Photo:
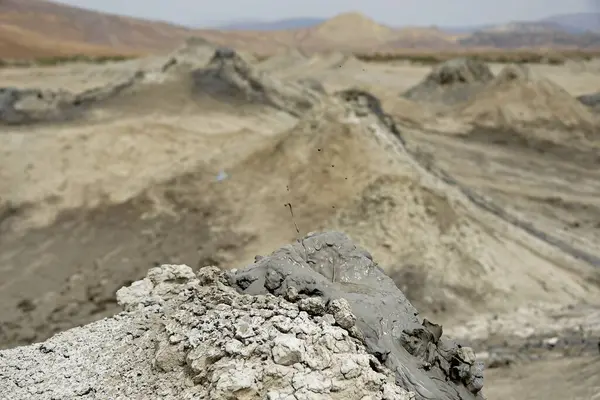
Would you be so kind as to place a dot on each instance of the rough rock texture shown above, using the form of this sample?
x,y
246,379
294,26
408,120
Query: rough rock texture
x,y
229,76
322,268
451,82
190,335
187,335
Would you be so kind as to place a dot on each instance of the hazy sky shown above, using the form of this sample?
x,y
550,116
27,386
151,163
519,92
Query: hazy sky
x,y
392,12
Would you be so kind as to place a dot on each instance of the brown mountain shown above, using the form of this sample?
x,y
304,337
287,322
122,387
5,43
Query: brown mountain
x,y
39,27
31,28
531,35
34,28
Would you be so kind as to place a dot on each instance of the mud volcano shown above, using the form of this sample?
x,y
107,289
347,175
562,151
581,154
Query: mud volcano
x,y
317,318
230,78
519,99
29,106
451,82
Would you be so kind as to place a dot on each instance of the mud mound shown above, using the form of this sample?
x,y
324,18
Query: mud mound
x,y
316,318
230,78
364,103
518,99
190,81
24,106
448,253
591,100
28,106
194,53
451,82
322,268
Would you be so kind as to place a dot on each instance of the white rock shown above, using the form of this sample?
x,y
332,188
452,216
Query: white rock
x,y
287,350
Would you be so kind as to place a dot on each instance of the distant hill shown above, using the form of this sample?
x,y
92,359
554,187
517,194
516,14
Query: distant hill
x,y
40,27
278,25
552,32
579,22
531,39
35,28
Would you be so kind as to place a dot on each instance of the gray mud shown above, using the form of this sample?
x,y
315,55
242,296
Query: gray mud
x,y
31,106
591,100
329,266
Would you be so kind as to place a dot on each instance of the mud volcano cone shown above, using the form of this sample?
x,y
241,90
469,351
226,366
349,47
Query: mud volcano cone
x,y
231,78
451,82
518,99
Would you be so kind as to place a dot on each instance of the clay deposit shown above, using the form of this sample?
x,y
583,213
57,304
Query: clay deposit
x,y
286,332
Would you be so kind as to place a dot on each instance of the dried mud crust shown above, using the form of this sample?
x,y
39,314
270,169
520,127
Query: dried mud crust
x,y
187,335
192,335
321,268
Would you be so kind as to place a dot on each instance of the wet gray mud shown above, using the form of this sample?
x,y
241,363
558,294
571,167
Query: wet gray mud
x,y
328,266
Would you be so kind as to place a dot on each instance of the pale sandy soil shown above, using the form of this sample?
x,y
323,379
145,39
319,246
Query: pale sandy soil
x,y
102,199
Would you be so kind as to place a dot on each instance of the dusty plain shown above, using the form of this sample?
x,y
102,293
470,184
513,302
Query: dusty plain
x,y
486,212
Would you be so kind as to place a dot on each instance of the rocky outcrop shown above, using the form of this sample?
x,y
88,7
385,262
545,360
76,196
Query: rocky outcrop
x,y
315,319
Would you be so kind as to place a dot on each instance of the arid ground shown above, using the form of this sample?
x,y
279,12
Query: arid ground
x,y
481,197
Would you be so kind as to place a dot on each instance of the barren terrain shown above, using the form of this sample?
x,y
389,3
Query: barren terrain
x,y
478,196
31,29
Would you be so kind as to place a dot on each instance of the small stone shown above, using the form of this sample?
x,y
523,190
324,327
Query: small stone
x,y
342,313
234,347
312,305
243,330
283,324
291,294
208,275
316,383
171,273
273,279
129,297
350,369
287,350
235,381
467,355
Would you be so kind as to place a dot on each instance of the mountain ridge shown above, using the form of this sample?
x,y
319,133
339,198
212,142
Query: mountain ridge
x,y
39,28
